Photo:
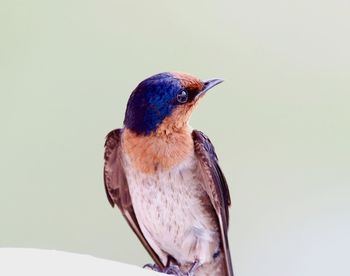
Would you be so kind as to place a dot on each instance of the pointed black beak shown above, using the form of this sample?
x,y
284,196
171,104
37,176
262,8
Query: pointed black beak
x,y
210,84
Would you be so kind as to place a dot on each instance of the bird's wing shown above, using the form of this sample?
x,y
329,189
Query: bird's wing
x,y
215,186
117,189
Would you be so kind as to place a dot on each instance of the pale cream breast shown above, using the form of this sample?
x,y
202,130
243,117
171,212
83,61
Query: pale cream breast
x,y
172,210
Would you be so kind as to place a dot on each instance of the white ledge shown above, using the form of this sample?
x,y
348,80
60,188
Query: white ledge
x,y
40,262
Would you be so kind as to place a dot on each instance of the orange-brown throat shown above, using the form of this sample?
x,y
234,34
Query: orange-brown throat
x,y
161,150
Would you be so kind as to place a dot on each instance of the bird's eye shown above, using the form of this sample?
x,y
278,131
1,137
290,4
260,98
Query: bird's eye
x,y
182,96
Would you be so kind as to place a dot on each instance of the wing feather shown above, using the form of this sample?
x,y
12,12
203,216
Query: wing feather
x,y
117,189
216,187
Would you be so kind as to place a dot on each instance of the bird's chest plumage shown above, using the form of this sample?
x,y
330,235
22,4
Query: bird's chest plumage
x,y
173,210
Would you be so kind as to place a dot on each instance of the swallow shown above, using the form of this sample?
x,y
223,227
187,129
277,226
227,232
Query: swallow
x,y
166,180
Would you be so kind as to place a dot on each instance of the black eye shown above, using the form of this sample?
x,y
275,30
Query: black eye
x,y
182,96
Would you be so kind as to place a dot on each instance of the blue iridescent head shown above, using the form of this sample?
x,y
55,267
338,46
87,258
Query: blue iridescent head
x,y
157,97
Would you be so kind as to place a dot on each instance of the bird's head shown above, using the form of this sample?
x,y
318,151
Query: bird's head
x,y
164,100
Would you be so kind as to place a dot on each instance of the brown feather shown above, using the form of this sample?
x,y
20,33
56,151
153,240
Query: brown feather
x,y
216,187
117,188
189,82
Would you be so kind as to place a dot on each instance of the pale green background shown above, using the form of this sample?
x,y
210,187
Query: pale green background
x,y
280,121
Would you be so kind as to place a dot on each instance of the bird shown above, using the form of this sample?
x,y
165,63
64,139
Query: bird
x,y
165,178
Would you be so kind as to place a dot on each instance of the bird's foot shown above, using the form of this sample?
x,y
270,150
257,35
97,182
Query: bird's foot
x,y
153,267
173,270
170,270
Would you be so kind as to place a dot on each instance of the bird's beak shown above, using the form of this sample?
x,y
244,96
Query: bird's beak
x,y
208,84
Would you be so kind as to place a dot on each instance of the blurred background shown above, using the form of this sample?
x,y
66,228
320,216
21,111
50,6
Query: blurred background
x,y
280,121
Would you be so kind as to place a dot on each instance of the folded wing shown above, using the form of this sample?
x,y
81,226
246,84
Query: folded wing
x,y
216,187
117,189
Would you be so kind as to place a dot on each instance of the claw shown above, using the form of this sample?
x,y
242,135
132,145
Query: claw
x,y
173,270
153,267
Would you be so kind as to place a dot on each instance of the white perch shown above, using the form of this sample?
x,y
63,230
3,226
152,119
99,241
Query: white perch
x,y
39,262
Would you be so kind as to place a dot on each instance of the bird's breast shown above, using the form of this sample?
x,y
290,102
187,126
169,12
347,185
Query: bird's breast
x,y
173,210
157,151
